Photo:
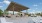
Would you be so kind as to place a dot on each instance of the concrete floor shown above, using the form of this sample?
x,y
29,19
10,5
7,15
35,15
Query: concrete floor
x,y
25,19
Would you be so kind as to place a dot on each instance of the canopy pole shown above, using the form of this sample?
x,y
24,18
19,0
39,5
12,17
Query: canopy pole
x,y
27,11
13,10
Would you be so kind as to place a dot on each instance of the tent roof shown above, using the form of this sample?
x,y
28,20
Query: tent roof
x,y
17,7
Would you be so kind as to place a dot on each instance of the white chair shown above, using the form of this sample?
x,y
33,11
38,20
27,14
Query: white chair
x,y
3,20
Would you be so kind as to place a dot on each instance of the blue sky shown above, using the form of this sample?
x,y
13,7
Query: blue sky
x,y
34,5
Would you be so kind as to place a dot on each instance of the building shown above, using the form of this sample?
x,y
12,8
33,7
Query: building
x,y
13,6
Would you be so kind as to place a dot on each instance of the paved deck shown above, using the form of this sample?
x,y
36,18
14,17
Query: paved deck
x,y
24,19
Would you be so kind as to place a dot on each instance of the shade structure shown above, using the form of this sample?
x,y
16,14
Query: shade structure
x,y
16,6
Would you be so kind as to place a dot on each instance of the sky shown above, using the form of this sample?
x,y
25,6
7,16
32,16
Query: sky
x,y
34,5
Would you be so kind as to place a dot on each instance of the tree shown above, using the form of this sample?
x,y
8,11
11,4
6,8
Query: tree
x,y
5,12
37,13
1,12
41,14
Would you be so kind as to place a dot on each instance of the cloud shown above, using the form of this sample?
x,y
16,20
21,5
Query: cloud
x,y
35,5
1,6
6,2
40,3
33,10
36,8
29,9
0,2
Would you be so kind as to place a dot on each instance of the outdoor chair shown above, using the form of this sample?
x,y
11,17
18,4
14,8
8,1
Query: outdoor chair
x,y
8,16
